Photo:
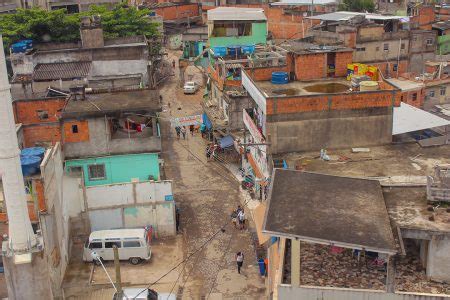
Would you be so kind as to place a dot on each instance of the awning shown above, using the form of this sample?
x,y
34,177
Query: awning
x,y
258,217
408,118
226,141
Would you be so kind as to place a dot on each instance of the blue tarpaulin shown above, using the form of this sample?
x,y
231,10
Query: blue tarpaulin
x,y
226,141
206,121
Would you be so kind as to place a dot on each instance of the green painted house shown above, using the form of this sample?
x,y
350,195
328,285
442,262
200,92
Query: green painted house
x,y
116,169
236,26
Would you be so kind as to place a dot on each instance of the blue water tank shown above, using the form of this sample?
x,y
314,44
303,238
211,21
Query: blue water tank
x,y
30,165
280,77
33,151
234,50
219,51
249,49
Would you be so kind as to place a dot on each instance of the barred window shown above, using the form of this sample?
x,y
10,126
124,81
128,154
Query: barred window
x,y
97,172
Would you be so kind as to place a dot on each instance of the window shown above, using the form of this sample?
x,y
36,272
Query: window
x,y
97,172
414,96
131,244
361,49
42,114
95,245
443,91
395,67
429,42
118,244
386,47
431,94
74,128
76,170
402,46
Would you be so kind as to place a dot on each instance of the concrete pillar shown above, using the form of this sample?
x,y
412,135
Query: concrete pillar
x,y
390,276
295,262
154,127
28,281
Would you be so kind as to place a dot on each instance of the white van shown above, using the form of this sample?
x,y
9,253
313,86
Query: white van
x,y
133,245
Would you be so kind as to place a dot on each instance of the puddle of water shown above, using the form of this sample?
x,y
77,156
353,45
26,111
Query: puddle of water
x,y
286,92
326,88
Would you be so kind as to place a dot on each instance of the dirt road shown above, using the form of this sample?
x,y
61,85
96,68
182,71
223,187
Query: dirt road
x,y
206,194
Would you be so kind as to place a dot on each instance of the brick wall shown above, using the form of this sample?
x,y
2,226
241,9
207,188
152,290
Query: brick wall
x,y
415,98
402,68
361,100
37,134
342,60
354,101
310,66
74,137
265,73
26,112
177,11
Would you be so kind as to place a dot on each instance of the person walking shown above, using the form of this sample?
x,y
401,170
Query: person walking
x,y
241,219
183,132
234,218
191,129
239,261
178,130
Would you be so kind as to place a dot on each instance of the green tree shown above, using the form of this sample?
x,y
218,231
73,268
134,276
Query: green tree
x,y
358,5
57,26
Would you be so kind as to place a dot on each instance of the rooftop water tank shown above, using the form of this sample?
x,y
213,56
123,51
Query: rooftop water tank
x,y
368,86
249,49
30,165
234,50
219,51
33,151
280,77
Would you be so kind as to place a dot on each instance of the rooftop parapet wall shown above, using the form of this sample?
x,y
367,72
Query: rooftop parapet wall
x,y
331,102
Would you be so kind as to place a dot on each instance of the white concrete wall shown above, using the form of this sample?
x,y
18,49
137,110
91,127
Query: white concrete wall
x,y
73,195
324,293
128,193
133,204
438,265
55,224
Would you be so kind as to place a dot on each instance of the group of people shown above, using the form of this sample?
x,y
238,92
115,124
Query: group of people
x,y
181,131
238,217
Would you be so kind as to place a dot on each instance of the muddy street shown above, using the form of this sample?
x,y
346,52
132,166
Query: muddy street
x,y
206,194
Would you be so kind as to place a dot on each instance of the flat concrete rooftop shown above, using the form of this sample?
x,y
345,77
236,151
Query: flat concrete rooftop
x,y
302,88
319,208
402,168
408,208
116,102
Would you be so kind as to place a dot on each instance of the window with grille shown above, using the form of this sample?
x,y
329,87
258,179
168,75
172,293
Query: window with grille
x,y
443,91
97,172
431,94
42,114
386,47
429,42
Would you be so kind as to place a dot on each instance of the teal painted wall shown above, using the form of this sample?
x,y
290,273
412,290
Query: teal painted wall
x,y
258,36
120,168
443,45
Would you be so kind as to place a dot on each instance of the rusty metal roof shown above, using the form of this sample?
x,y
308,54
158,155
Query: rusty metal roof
x,y
55,71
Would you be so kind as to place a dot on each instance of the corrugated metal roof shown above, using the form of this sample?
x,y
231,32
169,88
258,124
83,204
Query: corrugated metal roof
x,y
55,71
236,14
303,2
347,15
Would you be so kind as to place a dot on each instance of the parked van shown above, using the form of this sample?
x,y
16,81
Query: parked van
x,y
133,245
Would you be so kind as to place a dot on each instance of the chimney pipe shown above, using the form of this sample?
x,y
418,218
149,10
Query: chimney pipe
x,y
21,235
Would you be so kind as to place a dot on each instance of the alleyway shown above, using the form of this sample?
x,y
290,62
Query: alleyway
x,y
207,194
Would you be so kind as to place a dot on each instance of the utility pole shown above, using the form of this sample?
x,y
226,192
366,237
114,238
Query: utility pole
x,y
117,267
